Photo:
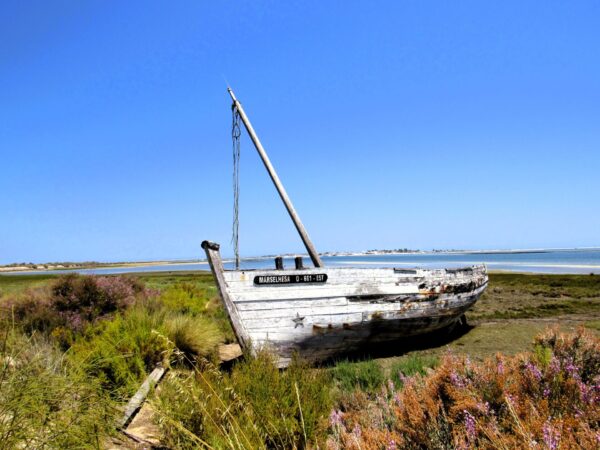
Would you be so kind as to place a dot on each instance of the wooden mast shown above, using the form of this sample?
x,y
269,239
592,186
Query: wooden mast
x,y
314,256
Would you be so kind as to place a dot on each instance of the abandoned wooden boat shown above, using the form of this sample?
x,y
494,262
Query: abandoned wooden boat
x,y
321,312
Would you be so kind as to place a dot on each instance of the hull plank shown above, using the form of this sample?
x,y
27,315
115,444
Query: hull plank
x,y
285,304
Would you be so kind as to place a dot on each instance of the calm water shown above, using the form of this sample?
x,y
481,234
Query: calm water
x,y
556,261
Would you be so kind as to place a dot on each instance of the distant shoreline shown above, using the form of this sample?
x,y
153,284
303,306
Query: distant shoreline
x,y
74,266
69,266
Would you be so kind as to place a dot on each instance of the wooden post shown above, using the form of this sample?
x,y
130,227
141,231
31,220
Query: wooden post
x,y
314,256
216,265
279,263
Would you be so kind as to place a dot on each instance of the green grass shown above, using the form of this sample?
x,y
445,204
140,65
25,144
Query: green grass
x,y
593,325
412,364
12,284
161,280
519,296
193,336
363,375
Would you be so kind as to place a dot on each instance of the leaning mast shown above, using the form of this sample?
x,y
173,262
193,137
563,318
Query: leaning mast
x,y
314,256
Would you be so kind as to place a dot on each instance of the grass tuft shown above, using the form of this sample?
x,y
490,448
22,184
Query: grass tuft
x,y
194,336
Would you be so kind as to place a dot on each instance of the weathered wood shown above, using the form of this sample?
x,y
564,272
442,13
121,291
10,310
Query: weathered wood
x,y
314,256
299,321
136,401
229,352
216,265
273,304
352,307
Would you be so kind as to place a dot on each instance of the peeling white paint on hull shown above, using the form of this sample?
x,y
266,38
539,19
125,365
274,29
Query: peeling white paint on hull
x,y
322,312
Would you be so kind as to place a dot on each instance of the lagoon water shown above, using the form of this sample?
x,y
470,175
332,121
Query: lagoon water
x,y
546,261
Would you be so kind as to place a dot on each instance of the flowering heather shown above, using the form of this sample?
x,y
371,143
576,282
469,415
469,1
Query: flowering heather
x,y
547,399
335,418
470,426
72,302
551,435
83,299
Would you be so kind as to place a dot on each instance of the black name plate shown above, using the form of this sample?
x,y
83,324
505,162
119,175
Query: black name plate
x,y
291,278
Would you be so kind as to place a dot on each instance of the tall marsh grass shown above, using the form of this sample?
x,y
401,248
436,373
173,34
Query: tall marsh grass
x,y
194,336
255,406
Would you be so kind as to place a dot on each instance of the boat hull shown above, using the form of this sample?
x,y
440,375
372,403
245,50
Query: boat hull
x,y
323,312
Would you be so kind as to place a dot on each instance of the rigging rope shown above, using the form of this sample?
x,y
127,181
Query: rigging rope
x,y
235,136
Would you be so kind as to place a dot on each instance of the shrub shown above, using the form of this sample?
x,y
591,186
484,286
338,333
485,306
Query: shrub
x,y
44,401
120,352
32,311
186,298
70,304
256,406
548,397
82,299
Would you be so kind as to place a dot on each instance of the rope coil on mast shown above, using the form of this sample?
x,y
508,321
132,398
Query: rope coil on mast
x,y
236,133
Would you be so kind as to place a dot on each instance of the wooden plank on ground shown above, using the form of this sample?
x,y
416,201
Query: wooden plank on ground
x,y
136,401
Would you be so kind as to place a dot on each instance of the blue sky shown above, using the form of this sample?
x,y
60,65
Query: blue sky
x,y
392,124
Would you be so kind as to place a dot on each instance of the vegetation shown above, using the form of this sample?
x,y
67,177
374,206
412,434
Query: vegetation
x,y
542,399
414,364
73,349
363,375
254,406
96,337
46,402
522,296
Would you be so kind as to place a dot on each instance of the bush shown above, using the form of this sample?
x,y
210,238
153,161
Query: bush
x,y
256,406
46,402
120,352
71,303
83,299
32,311
548,397
186,298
